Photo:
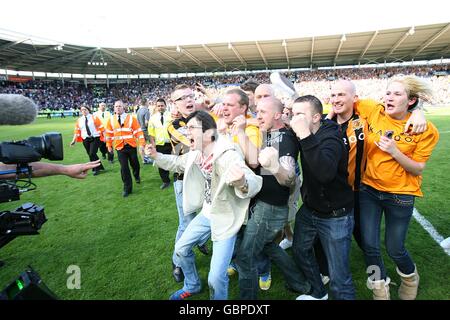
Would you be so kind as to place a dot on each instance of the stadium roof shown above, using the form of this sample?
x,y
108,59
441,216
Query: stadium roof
x,y
425,42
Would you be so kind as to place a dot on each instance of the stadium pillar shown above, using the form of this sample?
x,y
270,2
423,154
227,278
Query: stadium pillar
x,y
32,75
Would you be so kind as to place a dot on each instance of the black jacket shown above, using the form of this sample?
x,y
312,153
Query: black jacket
x,y
324,162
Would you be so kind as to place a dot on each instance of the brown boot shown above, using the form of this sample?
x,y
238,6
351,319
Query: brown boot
x,y
410,284
380,289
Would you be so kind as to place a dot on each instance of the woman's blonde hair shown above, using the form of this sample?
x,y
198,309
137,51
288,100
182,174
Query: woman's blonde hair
x,y
415,88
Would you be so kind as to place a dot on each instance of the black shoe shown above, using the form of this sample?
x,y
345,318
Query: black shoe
x,y
203,249
165,185
96,173
138,180
177,274
126,193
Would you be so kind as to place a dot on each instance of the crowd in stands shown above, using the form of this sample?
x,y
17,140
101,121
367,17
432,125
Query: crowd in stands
x,y
71,94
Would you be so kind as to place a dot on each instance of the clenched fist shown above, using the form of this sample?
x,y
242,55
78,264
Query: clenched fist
x,y
300,125
236,177
239,124
268,159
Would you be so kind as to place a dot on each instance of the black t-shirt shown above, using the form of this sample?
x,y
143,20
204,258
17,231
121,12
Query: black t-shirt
x,y
285,141
178,138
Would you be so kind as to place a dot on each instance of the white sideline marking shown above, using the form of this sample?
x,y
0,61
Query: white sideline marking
x,y
444,132
430,229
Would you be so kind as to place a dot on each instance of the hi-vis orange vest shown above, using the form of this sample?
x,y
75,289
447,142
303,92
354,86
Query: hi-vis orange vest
x,y
80,126
117,136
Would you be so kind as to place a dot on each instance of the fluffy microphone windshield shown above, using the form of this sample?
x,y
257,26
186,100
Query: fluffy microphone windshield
x,y
16,109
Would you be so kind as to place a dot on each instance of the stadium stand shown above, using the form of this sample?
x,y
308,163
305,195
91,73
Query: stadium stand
x,y
68,95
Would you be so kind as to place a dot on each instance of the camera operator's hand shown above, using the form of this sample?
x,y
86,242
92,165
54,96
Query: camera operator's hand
x,y
72,143
80,170
45,169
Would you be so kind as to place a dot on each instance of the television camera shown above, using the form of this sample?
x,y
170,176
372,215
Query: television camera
x,y
28,218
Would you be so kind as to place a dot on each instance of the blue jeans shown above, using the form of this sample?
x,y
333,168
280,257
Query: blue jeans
x,y
183,220
335,234
398,209
263,263
198,232
264,224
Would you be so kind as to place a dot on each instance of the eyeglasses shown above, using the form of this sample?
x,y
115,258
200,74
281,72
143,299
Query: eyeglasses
x,y
193,127
188,96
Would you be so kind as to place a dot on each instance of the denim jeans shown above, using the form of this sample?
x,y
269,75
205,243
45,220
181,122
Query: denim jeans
x,y
335,235
183,220
198,232
398,209
263,264
265,222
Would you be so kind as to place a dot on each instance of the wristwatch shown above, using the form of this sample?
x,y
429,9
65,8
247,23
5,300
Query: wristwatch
x,y
244,188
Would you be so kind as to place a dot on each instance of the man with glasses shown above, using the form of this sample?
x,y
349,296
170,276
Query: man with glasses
x,y
220,186
183,100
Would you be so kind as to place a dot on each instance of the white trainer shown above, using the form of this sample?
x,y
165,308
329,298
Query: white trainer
x,y
325,279
309,297
285,244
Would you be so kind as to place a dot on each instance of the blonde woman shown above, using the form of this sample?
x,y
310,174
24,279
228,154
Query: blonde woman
x,y
392,180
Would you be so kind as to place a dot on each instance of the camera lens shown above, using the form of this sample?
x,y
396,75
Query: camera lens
x,y
48,145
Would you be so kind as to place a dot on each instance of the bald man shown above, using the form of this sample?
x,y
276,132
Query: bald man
x,y
345,104
263,91
277,161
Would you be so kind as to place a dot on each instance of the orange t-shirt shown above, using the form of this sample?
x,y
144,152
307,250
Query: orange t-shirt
x,y
383,172
354,138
